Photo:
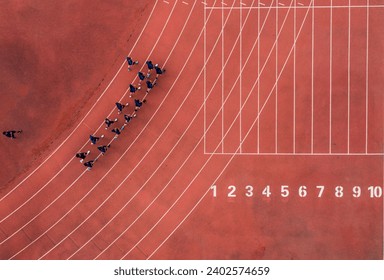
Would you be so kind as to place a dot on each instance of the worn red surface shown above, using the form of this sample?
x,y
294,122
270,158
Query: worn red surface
x,y
150,196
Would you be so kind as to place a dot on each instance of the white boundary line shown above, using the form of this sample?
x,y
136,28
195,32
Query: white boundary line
x,y
258,74
276,70
330,75
349,77
241,79
366,83
312,73
302,7
222,78
80,122
296,154
205,79
294,78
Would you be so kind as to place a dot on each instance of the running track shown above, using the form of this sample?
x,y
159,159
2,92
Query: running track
x,y
150,196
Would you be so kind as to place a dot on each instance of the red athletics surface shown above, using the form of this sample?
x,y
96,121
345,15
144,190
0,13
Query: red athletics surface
x,y
188,177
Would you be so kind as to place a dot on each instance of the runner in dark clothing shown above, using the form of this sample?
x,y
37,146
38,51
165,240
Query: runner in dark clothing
x,y
94,139
128,118
89,164
150,67
159,71
120,107
141,77
11,133
150,85
103,149
82,155
132,89
131,62
118,131
138,104
108,122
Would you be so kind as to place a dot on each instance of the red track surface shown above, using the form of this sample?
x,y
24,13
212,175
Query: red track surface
x,y
150,196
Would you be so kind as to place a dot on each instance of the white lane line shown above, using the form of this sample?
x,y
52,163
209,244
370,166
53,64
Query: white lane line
x,y
166,2
258,84
303,7
366,82
349,78
240,67
204,3
294,79
205,79
313,76
276,74
222,78
330,76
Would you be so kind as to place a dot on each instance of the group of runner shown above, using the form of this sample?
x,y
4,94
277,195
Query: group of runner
x,y
120,107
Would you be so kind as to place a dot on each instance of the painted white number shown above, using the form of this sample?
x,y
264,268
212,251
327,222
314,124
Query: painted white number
x,y
375,192
213,188
356,191
231,192
267,191
249,192
339,191
303,191
284,191
321,190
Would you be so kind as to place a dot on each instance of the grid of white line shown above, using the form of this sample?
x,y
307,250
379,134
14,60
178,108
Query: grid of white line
x,y
277,6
